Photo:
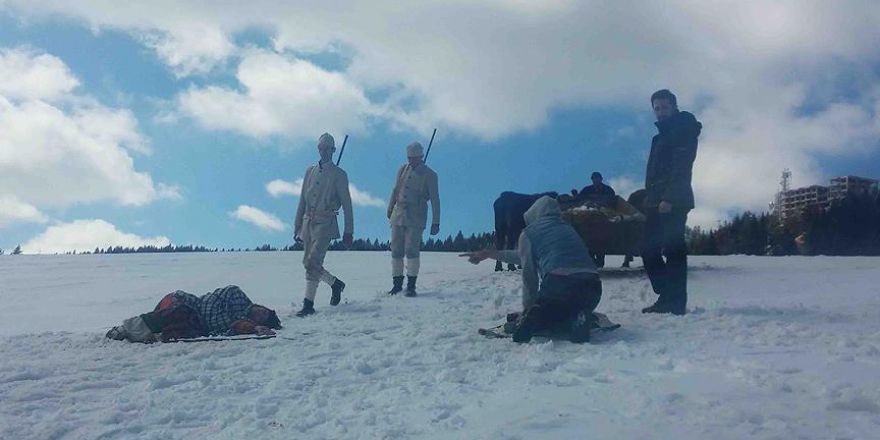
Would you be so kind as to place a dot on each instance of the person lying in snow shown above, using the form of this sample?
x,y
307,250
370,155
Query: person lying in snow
x,y
561,285
181,315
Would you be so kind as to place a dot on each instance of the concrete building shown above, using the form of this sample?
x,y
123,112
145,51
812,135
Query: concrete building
x,y
841,186
791,202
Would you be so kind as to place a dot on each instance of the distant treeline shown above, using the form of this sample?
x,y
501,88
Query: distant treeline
x,y
458,243
849,226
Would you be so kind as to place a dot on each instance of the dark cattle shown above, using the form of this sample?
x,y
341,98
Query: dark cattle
x,y
509,223
637,200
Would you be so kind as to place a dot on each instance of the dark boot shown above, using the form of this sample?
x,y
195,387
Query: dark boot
x,y
336,295
398,285
678,306
511,267
661,306
308,308
529,322
410,286
580,327
498,266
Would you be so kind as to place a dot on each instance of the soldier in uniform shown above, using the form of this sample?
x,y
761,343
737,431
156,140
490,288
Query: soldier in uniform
x,y
324,191
416,184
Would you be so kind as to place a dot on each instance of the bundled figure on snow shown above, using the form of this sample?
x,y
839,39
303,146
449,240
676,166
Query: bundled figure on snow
x,y
324,191
182,315
561,286
416,184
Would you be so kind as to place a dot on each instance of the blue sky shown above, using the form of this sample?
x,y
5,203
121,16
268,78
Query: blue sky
x,y
179,119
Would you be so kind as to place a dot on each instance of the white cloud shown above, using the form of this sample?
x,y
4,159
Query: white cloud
x,y
60,149
86,235
278,188
492,69
258,218
28,75
280,96
191,48
363,198
625,185
13,210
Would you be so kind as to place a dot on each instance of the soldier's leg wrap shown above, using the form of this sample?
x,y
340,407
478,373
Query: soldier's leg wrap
x,y
314,261
311,290
412,267
396,267
398,242
411,250
327,277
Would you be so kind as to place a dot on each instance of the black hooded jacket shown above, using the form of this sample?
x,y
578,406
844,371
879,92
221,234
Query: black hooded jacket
x,y
670,165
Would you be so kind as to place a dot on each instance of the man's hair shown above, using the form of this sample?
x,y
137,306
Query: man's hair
x,y
664,94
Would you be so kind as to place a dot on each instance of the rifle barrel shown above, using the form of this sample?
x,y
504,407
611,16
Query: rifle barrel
x,y
339,159
429,145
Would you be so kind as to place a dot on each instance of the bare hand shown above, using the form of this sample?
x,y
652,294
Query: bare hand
x,y
297,238
435,229
347,240
261,330
665,207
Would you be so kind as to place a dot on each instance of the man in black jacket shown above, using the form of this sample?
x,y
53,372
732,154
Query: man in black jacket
x,y
669,198
598,192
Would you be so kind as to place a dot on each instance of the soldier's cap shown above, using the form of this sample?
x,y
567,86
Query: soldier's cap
x,y
414,150
326,140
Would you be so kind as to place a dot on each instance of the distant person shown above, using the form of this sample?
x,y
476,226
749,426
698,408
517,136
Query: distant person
x,y
561,285
181,315
669,197
324,191
415,185
598,193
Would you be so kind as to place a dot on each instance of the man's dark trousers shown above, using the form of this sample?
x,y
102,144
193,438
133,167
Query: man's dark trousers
x,y
664,237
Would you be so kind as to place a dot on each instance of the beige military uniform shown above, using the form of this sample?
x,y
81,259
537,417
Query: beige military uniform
x,y
324,191
408,212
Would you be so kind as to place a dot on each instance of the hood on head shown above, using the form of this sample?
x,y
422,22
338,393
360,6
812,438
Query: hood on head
x,y
544,207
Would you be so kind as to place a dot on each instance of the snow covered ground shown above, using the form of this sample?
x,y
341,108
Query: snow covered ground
x,y
772,348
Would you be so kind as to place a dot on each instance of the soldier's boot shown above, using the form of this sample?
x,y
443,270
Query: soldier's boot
x,y
511,267
398,285
410,287
307,309
336,295
499,266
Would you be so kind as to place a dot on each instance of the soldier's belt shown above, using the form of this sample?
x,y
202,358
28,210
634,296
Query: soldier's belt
x,y
316,214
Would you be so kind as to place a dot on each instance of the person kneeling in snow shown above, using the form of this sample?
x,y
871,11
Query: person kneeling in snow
x,y
561,285
181,315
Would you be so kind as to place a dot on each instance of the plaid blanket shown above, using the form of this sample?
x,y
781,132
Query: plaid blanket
x,y
216,310
220,308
